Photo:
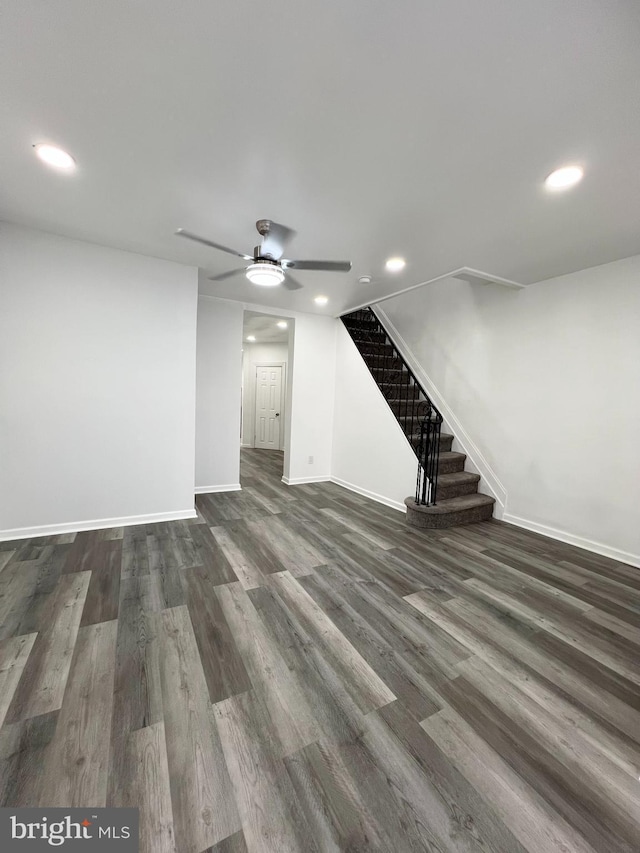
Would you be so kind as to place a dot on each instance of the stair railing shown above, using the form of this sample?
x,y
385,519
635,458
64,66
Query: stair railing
x,y
428,458
420,419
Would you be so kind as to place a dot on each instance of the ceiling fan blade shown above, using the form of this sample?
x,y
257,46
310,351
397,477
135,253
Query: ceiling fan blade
x,y
291,283
274,238
223,275
326,266
189,236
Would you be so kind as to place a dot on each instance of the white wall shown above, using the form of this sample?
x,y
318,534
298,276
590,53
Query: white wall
x,y
218,384
97,383
309,423
546,381
257,353
370,452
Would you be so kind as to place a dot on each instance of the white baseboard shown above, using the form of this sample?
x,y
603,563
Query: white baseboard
x,y
572,539
301,481
476,459
208,490
371,495
94,524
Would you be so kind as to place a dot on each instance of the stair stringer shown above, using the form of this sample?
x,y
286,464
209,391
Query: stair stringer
x,y
475,462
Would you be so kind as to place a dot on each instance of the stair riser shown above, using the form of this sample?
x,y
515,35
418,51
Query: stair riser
x,y
376,352
456,491
454,519
356,326
403,405
445,446
364,338
399,393
384,365
450,466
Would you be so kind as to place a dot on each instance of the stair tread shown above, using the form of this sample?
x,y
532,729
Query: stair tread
x,y
452,505
451,454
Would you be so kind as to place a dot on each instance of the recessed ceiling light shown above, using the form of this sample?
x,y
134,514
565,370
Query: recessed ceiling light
x,y
321,300
395,264
364,279
564,178
281,324
53,156
251,338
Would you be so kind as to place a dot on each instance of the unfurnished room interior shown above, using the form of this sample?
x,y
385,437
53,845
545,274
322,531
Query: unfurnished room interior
x,y
320,426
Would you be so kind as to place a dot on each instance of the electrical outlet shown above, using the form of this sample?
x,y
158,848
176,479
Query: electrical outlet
x,y
311,460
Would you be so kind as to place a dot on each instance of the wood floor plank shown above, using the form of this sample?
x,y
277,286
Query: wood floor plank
x,y
213,557
36,605
249,575
529,816
606,650
498,660
18,584
233,844
533,759
81,553
137,690
222,663
333,803
147,788
5,556
44,680
575,690
629,630
103,595
135,556
14,654
168,583
23,747
293,552
280,688
272,818
204,812
474,822
76,763
575,742
367,689
403,681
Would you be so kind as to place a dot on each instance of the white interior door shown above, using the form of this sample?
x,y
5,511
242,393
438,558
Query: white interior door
x,y
268,414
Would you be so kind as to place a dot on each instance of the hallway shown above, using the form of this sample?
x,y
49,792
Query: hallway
x,y
297,670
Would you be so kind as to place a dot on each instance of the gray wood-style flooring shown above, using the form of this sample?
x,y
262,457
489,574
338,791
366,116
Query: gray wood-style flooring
x,y
297,670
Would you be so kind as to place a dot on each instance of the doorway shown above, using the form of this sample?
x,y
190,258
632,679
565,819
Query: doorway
x,y
269,405
265,383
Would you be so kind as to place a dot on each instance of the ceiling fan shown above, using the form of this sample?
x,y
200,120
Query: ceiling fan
x,y
268,268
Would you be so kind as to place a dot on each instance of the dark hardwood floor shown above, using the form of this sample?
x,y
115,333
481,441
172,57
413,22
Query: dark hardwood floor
x,y
297,670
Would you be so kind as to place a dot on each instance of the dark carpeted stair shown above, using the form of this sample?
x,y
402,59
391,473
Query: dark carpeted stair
x,y
458,499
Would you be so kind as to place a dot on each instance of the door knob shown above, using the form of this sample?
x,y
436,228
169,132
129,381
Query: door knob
x,y
277,414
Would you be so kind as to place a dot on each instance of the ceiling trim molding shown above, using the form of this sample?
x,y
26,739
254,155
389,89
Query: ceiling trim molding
x,y
467,274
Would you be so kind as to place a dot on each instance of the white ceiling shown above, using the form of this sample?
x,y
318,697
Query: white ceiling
x,y
419,127
264,327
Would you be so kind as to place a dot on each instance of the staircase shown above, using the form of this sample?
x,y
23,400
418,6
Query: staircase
x,y
446,494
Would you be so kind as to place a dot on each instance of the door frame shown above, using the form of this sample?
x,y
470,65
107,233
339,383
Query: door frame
x,y
254,393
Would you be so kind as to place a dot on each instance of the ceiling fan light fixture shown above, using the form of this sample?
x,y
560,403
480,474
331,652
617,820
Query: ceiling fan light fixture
x,y
265,274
